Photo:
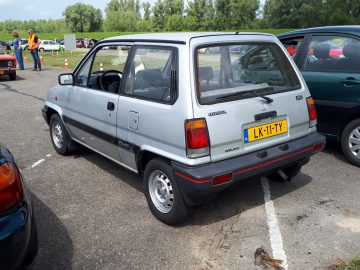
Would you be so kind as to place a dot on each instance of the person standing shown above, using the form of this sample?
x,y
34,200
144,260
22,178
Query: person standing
x,y
18,50
33,45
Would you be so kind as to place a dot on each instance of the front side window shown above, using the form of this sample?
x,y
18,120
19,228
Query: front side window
x,y
151,74
333,53
292,45
243,71
103,70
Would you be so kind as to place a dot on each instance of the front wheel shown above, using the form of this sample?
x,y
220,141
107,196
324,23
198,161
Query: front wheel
x,y
350,142
12,76
59,136
162,193
41,50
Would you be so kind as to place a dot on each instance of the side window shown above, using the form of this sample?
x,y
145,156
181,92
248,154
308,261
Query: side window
x,y
103,71
333,53
292,45
151,73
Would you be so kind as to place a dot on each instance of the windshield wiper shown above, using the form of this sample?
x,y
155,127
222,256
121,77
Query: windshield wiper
x,y
268,100
249,93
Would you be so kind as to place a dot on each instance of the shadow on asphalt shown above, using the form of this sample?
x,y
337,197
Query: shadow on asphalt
x,y
334,148
55,244
238,198
8,88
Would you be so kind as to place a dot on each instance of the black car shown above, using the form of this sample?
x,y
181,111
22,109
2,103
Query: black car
x,y
329,60
18,234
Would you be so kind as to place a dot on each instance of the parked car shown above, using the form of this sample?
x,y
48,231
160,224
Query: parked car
x,y
7,64
190,124
5,45
18,234
50,45
329,60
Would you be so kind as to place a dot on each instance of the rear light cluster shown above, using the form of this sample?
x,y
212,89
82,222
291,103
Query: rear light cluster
x,y
197,138
312,111
11,190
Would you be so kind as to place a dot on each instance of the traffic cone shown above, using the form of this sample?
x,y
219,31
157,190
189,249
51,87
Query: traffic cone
x,y
41,59
101,67
66,64
52,53
57,53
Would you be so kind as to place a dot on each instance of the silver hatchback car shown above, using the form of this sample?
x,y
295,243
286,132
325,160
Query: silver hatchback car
x,y
190,123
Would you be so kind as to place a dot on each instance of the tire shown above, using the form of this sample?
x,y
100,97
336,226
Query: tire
x,y
350,142
12,76
59,136
163,194
41,50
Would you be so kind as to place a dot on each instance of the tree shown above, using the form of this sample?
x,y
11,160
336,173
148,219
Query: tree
x,y
159,14
147,10
83,18
200,13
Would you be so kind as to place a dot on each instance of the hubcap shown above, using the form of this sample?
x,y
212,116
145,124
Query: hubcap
x,y
161,191
57,135
354,142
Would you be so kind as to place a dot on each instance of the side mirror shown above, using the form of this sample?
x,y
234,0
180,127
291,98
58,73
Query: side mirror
x,y
66,79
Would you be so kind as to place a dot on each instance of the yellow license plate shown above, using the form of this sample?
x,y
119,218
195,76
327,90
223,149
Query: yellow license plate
x,y
2,72
265,131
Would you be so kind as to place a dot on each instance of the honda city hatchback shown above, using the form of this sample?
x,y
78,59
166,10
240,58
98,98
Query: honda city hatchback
x,y
189,123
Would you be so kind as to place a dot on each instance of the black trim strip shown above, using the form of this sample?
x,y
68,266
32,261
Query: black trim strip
x,y
336,104
102,135
181,42
265,115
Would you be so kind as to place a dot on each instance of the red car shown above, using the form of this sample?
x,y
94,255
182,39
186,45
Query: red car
x,y
7,64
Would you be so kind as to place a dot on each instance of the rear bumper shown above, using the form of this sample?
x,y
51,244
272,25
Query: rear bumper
x,y
196,183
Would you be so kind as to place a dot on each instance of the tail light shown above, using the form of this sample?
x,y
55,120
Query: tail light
x,y
221,179
312,112
197,138
11,190
318,147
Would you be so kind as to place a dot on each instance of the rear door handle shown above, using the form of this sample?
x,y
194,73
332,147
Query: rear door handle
x,y
110,106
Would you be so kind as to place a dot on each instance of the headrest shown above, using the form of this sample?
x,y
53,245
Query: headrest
x,y
149,75
322,51
206,73
351,51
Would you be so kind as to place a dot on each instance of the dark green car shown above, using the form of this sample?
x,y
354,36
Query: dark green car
x,y
329,60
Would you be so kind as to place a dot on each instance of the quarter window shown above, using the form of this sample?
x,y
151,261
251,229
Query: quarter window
x,y
151,74
333,53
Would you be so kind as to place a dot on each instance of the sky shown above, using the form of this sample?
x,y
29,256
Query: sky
x,y
43,9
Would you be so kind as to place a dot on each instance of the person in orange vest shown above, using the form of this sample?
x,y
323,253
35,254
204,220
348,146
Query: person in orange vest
x,y
33,46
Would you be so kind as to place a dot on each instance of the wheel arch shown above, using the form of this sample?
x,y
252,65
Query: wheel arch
x,y
354,115
143,157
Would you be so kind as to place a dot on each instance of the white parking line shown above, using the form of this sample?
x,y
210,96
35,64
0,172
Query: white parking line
x,y
274,230
39,161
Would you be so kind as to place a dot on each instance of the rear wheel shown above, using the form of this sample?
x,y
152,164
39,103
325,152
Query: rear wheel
x,y
41,49
162,193
350,142
59,136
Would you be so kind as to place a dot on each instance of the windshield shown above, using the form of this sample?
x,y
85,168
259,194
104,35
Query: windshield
x,y
238,71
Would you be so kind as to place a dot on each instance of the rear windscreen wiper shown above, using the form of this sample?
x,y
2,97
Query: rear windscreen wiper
x,y
249,93
268,100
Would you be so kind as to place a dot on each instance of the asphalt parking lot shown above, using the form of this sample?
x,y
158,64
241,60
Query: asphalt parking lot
x,y
92,214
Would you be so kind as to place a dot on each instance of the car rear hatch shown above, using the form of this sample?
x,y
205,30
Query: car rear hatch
x,y
250,97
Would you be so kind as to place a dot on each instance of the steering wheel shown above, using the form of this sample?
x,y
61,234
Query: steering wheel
x,y
107,72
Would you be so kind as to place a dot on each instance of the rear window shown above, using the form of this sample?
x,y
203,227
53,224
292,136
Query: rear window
x,y
238,71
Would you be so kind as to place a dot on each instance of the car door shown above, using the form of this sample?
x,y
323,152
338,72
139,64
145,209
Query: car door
x,y
145,105
331,68
92,106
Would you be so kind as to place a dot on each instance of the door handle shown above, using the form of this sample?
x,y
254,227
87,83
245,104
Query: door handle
x,y
110,106
350,81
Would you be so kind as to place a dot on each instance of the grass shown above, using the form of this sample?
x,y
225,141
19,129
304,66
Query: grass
x,y
99,35
52,59
352,265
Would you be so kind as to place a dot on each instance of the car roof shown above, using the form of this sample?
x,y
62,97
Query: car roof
x,y
347,29
182,37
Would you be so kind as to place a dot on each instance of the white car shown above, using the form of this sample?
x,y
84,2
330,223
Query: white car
x,y
50,45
